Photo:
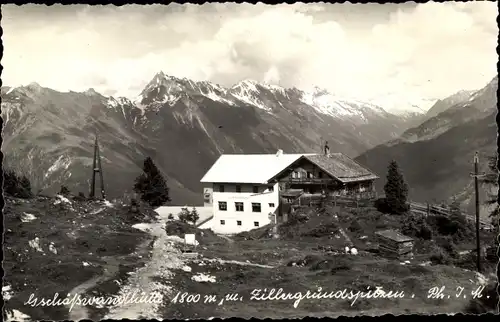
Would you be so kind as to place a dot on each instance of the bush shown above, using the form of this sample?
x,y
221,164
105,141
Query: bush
x,y
64,191
455,226
170,216
440,257
16,186
416,226
184,215
355,226
194,216
80,197
447,244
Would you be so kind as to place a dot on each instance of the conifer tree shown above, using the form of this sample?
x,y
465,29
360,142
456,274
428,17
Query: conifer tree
x,y
194,216
151,185
64,191
396,190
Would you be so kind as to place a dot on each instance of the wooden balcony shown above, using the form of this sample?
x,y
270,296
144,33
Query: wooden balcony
x,y
309,180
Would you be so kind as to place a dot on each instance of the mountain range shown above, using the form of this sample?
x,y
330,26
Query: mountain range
x,y
184,125
436,157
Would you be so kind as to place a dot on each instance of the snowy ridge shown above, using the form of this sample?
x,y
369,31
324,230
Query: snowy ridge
x,y
246,91
326,103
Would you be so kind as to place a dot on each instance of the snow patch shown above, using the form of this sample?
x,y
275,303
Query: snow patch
x,y
108,204
18,316
203,278
26,217
85,264
35,244
52,248
7,292
61,199
186,268
62,162
145,227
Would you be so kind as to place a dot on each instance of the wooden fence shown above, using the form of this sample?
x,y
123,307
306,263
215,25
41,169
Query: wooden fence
x,y
336,201
429,210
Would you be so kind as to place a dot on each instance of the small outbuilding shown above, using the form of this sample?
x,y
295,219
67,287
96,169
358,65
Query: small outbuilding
x,y
393,244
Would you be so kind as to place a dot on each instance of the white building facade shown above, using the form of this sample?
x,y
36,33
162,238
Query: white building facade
x,y
242,207
236,188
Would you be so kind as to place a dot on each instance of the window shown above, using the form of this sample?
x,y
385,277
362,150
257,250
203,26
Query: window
x,y
255,207
309,175
222,205
221,188
320,174
238,206
256,223
270,188
238,222
271,205
222,222
255,189
238,188
294,174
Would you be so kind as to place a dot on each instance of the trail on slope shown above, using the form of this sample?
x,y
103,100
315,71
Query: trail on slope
x,y
164,258
80,312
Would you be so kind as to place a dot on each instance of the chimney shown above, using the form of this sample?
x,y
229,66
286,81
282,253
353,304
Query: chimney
x,y
279,153
327,149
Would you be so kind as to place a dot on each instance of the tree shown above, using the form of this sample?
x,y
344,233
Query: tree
x,y
16,186
184,215
194,216
26,186
151,185
64,191
396,190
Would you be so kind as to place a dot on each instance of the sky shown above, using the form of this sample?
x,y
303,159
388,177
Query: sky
x,y
369,52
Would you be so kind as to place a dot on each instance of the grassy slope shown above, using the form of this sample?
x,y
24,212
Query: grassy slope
x,y
81,232
317,268
438,168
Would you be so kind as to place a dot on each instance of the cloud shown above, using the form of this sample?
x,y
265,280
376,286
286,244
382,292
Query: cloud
x,y
429,50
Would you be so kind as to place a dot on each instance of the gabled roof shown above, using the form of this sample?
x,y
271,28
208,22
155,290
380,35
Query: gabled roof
x,y
342,167
261,168
248,168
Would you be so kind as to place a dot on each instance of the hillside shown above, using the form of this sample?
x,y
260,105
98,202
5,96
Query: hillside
x,y
444,104
183,125
309,254
436,157
67,246
469,107
438,168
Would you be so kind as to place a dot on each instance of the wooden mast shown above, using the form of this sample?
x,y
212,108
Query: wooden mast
x,y
97,167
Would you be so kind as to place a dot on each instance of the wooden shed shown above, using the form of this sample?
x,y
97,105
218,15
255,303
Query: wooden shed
x,y
393,244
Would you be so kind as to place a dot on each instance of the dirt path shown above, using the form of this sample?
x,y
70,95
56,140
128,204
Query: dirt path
x,y
79,312
164,257
223,261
